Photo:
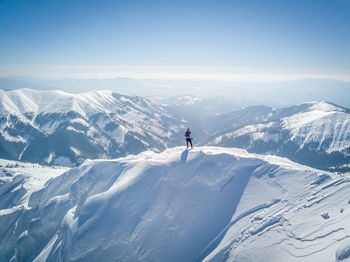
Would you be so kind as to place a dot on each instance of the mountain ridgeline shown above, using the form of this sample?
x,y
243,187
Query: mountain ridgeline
x,y
59,128
316,134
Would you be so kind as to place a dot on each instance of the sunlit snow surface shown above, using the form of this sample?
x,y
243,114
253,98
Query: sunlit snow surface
x,y
212,204
18,180
18,176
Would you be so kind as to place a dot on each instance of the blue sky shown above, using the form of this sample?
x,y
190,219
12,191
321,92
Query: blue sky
x,y
129,35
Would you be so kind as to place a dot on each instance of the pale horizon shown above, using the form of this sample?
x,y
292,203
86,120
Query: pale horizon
x,y
190,73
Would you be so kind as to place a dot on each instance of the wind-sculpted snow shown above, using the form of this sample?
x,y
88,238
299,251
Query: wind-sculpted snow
x,y
59,128
18,181
315,134
212,204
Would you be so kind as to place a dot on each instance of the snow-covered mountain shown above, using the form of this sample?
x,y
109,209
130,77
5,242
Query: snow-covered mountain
x,y
60,128
208,204
316,134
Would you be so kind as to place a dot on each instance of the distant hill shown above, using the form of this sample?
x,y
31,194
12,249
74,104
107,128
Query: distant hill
x,y
315,134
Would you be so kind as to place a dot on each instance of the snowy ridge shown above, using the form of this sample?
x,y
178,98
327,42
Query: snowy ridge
x,y
211,204
65,128
21,101
316,134
18,180
21,180
321,123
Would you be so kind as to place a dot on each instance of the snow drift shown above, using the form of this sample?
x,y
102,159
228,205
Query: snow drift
x,y
18,180
211,204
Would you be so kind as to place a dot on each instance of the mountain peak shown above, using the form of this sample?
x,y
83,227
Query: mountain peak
x,y
326,107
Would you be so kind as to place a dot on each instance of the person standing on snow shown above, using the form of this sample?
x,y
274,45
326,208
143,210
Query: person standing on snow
x,y
188,137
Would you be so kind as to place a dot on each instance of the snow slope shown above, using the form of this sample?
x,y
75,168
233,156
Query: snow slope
x,y
60,128
22,179
18,180
315,134
212,204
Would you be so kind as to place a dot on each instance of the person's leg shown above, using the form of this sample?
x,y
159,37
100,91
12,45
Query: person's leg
x,y
187,142
191,143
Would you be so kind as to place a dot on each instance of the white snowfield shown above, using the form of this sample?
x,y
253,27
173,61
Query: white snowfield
x,y
207,204
18,180
22,179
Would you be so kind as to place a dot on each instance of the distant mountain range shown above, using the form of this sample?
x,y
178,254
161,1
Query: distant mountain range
x,y
59,128
247,93
315,134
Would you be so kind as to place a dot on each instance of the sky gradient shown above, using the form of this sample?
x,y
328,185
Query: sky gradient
x,y
297,36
